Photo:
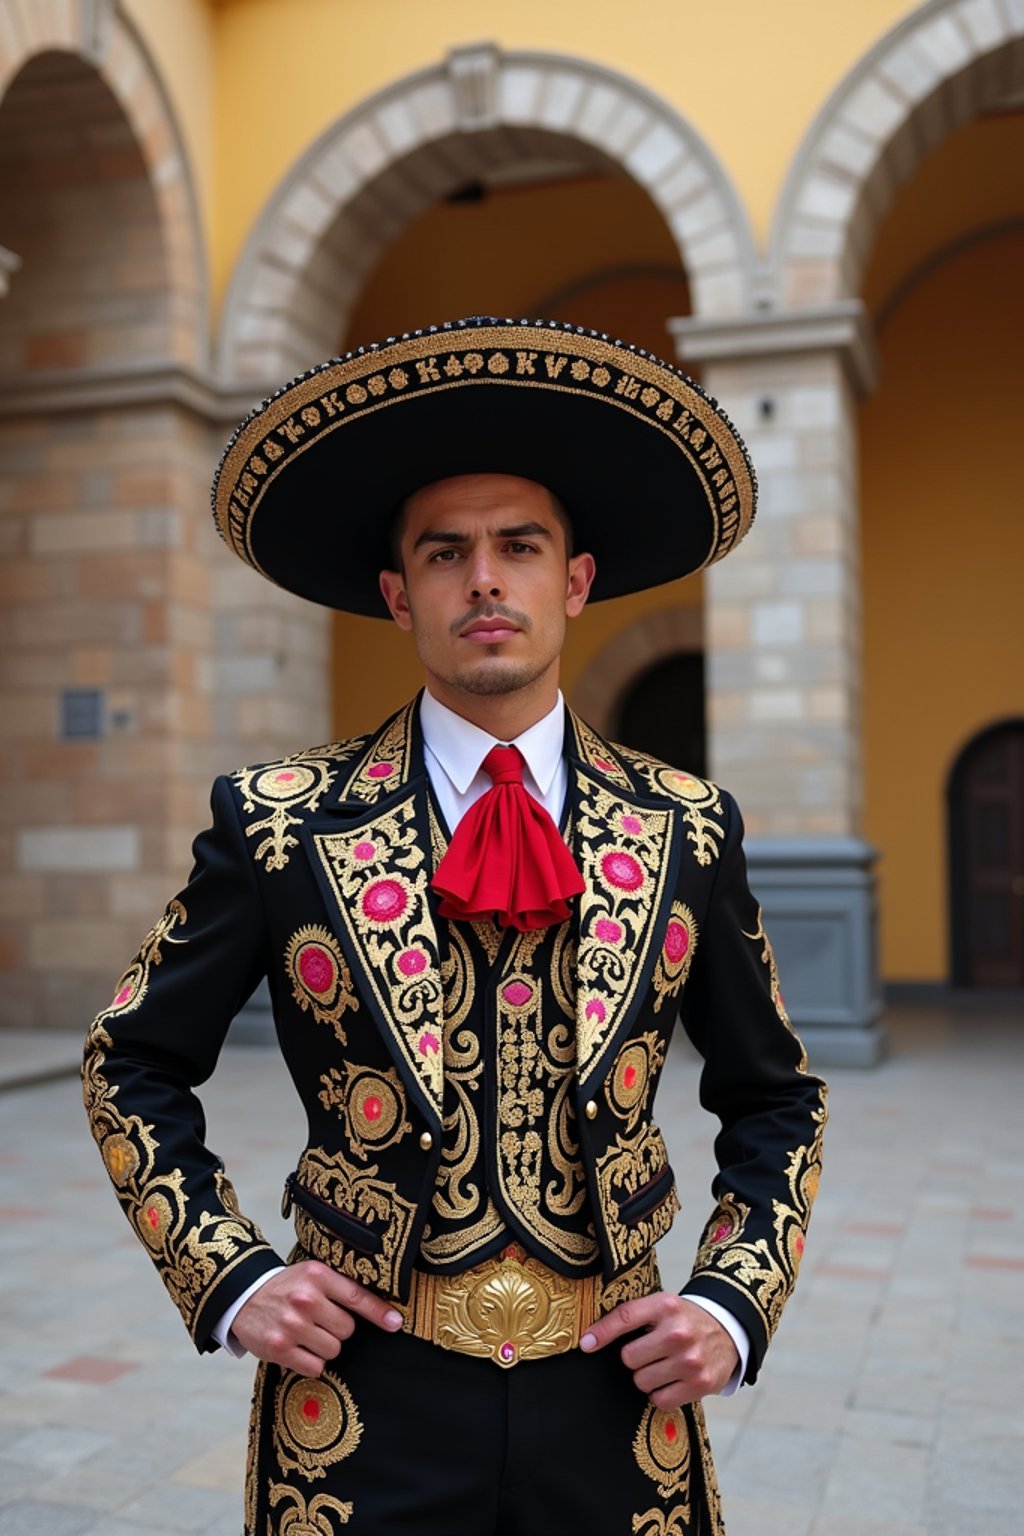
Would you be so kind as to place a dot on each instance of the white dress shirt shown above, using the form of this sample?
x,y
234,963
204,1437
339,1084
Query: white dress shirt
x,y
454,750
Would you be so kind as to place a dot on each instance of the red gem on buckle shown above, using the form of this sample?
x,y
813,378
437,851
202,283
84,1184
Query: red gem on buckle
x,y
311,1409
507,1351
509,1252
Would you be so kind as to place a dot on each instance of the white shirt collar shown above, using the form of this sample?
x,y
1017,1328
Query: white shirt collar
x,y
460,747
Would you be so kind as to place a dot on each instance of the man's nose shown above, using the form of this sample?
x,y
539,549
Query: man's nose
x,y
482,576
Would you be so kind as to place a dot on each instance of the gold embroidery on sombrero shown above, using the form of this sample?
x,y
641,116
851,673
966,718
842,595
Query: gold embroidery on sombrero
x,y
313,1519
371,1104
624,1169
134,984
316,1423
629,1085
382,1218
676,955
332,397
535,1081
661,1446
192,1253
378,873
624,857
296,783
320,979
386,765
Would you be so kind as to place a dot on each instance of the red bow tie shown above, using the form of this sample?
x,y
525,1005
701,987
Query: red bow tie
x,y
506,860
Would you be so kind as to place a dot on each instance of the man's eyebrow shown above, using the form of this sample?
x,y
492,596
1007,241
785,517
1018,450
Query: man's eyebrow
x,y
516,531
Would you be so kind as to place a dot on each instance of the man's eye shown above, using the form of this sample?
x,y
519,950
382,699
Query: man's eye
x,y
447,555
518,548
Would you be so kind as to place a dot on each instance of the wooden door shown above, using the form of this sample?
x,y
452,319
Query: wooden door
x,y
987,845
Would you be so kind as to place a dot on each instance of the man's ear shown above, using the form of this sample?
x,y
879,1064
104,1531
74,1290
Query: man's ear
x,y
392,586
582,570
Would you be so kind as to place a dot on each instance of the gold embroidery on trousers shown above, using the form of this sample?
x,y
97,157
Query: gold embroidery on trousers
x,y
313,1519
662,1449
316,1423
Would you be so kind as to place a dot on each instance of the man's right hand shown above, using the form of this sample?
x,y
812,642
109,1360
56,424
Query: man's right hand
x,y
301,1317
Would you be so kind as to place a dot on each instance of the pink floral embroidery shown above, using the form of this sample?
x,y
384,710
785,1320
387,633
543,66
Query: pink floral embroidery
x,y
411,962
622,871
316,969
427,1042
631,824
124,994
595,1009
677,942
384,901
380,770
364,852
608,930
517,993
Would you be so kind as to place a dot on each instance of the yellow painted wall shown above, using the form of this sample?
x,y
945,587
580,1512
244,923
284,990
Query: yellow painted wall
x,y
943,545
748,75
180,36
459,259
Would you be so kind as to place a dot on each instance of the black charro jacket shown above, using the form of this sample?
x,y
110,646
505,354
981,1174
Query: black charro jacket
x,y
315,874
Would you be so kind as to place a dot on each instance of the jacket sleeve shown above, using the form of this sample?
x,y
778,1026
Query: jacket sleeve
x,y
771,1109
146,1053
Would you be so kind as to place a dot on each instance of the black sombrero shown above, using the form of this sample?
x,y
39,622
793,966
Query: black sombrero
x,y
654,476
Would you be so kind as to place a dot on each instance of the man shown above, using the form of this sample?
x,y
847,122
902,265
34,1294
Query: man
x,y
477,924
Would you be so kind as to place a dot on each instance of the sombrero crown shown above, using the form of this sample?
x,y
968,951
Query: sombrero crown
x,y
655,478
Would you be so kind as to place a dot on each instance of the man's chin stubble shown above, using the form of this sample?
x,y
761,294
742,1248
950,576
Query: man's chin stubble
x,y
487,682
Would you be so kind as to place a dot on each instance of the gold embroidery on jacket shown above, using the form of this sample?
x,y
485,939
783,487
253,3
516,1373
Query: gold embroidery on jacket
x,y
386,765
456,1199
193,1253
625,1169
701,801
371,1103
629,1087
625,851
768,958
676,956
378,873
371,1203
296,783
134,984
320,979
316,1423
661,1446
595,753
312,1519
535,1081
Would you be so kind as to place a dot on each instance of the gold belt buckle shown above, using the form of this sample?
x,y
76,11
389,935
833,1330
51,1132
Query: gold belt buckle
x,y
511,1308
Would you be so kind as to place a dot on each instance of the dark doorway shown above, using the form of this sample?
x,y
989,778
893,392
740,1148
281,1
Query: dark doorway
x,y
662,712
986,841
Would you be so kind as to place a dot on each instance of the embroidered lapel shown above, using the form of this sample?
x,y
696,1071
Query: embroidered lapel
x,y
628,849
374,870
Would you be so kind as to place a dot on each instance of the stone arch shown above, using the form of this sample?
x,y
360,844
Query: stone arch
x,y
426,135
632,651
931,73
96,33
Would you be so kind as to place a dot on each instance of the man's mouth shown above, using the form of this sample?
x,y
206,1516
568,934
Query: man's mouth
x,y
490,631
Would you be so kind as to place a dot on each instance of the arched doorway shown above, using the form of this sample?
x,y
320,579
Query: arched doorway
x,y
985,801
662,712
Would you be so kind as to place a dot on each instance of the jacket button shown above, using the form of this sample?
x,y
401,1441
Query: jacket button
x,y
426,1141
590,1109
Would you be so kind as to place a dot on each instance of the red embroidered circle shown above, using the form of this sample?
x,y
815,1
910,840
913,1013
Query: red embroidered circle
x,y
608,930
311,1409
372,1108
670,1430
411,962
283,778
384,901
317,969
517,993
621,870
631,824
364,852
380,770
677,942
629,1076
595,1009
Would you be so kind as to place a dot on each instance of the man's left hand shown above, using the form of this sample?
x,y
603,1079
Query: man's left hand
x,y
683,1355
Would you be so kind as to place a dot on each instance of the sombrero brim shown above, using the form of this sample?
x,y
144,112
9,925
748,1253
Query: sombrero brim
x,y
654,476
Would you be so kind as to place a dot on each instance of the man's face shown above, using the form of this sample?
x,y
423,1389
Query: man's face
x,y
487,585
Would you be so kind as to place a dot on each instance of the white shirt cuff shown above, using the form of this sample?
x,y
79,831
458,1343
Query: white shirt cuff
x,y
222,1329
736,1331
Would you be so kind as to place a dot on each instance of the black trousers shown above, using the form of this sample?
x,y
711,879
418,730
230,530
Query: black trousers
x,y
403,1438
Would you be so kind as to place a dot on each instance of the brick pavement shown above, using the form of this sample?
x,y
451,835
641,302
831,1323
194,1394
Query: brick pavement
x,y
890,1403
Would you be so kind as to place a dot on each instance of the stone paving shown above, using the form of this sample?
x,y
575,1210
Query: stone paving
x,y
890,1405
